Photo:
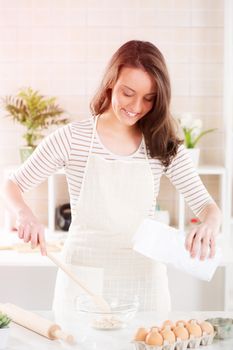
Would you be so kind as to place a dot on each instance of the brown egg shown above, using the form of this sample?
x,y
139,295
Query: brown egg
x,y
207,327
155,327
154,338
168,335
168,323
141,334
181,321
194,328
194,319
181,331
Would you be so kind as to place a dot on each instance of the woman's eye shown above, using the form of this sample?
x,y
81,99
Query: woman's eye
x,y
149,99
128,95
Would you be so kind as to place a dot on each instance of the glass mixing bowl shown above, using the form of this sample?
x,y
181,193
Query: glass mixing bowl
x,y
122,311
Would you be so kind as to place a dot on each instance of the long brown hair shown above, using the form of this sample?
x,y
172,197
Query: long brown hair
x,y
157,125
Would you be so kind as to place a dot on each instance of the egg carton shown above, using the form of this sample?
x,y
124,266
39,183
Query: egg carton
x,y
222,326
191,343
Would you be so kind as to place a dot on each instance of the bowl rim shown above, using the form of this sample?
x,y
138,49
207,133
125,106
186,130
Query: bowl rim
x,y
104,313
130,306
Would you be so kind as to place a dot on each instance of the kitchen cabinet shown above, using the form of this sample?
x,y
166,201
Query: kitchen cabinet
x,y
207,170
25,261
203,170
24,339
219,171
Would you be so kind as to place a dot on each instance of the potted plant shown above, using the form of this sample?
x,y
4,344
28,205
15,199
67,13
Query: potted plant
x,y
4,330
192,131
36,113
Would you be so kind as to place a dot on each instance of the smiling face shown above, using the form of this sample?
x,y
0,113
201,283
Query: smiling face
x,y
132,96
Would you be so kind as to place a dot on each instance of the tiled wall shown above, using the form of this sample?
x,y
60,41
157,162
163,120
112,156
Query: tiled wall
x,y
61,47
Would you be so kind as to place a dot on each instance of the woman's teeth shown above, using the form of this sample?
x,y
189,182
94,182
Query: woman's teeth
x,y
130,114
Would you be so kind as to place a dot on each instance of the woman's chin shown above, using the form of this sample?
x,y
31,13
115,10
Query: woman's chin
x,y
128,120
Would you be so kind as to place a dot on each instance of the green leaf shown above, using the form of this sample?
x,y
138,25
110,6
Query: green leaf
x,y
195,141
34,111
4,320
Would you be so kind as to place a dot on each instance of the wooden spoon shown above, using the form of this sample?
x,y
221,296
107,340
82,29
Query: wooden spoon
x,y
97,299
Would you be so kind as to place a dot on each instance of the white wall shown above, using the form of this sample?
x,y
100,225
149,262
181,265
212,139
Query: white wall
x,y
29,287
61,47
188,293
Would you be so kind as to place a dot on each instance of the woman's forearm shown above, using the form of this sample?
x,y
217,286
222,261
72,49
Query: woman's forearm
x,y
28,227
12,195
201,238
211,214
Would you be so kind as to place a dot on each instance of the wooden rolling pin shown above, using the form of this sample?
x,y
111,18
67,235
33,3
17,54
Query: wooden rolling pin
x,y
35,323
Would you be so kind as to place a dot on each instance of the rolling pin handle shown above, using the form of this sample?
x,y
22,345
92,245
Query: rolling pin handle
x,y
59,334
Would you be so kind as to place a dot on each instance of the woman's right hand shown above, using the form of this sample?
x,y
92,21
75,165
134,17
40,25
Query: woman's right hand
x,y
30,230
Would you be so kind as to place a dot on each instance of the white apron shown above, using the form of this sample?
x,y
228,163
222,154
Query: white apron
x,y
116,195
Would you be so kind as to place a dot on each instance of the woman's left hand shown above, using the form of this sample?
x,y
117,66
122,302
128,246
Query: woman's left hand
x,y
201,240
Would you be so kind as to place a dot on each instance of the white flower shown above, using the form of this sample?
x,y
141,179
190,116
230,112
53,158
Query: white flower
x,y
192,129
197,124
186,120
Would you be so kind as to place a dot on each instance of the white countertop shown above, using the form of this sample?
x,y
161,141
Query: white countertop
x,y
17,259
23,339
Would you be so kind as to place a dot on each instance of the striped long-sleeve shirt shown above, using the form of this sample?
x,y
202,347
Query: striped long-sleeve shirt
x,y
68,148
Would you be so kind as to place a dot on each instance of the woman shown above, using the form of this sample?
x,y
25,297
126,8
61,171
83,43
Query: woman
x,y
113,163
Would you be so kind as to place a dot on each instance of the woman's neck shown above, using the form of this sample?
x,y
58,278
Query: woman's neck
x,y
118,138
108,121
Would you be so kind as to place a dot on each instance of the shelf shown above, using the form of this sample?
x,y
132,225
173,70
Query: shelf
x,y
227,251
55,234
211,170
8,238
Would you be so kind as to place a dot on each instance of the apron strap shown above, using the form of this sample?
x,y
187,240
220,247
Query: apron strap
x,y
145,149
90,148
93,136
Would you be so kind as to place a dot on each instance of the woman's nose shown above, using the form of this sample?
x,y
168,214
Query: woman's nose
x,y
136,106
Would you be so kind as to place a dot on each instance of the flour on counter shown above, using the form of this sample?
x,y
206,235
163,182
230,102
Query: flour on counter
x,y
106,323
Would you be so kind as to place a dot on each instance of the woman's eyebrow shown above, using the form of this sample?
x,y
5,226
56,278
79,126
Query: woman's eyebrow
x,y
150,93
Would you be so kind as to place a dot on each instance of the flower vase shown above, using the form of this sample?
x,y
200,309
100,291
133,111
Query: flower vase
x,y
25,152
194,154
4,336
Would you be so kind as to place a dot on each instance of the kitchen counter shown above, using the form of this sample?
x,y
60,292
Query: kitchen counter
x,y
23,339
